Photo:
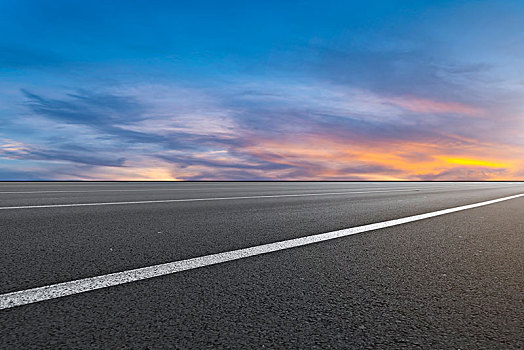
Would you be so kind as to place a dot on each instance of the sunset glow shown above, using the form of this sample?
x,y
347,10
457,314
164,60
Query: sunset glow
x,y
122,91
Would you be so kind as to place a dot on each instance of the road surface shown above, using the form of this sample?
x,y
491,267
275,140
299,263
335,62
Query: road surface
x,y
252,265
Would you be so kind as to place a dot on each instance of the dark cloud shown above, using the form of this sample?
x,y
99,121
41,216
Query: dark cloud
x,y
185,161
368,169
87,108
220,174
78,156
106,113
111,115
54,155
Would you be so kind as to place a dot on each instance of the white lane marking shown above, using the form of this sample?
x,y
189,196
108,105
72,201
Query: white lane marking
x,y
367,187
59,290
212,198
194,189
175,189
187,189
197,199
122,190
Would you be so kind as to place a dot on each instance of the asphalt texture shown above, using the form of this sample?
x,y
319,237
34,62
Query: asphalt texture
x,y
451,282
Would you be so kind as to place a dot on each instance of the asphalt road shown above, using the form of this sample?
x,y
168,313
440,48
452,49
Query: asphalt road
x,y
454,281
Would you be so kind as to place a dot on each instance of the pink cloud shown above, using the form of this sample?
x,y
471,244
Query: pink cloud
x,y
422,105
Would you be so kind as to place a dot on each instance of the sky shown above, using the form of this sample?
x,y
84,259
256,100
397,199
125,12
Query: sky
x,y
262,90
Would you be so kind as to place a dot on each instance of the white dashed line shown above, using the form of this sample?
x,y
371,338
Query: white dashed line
x,y
34,295
121,190
173,189
197,199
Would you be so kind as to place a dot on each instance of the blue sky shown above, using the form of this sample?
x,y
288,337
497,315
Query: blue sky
x,y
229,90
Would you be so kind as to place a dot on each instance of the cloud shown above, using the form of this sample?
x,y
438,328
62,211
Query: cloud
x,y
357,93
241,163
52,155
15,150
426,106
282,129
85,108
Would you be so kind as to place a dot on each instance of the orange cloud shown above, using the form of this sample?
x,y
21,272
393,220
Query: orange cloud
x,y
315,157
475,162
325,158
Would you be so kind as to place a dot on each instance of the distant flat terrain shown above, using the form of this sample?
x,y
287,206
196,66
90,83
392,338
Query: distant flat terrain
x,y
451,280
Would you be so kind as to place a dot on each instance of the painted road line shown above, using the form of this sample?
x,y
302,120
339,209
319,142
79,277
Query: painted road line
x,y
186,189
198,199
179,189
59,290
153,189
121,190
198,189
